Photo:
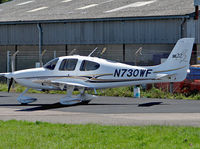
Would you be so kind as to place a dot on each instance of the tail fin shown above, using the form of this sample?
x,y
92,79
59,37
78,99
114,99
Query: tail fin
x,y
178,61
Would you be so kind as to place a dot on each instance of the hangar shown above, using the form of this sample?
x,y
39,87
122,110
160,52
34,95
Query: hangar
x,y
122,26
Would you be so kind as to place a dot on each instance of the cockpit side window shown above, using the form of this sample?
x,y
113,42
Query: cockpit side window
x,y
89,65
51,64
68,64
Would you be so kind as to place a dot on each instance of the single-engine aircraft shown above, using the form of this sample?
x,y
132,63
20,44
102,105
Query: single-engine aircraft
x,y
86,72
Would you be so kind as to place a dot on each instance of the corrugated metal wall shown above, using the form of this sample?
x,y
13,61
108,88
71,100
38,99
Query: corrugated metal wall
x,y
110,32
18,34
114,32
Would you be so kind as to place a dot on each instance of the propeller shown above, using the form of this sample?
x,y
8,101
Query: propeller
x,y
10,84
11,81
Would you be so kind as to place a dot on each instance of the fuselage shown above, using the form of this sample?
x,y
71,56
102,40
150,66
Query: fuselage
x,y
92,71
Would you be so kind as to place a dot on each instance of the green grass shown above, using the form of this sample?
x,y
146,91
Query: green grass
x,y
117,92
29,135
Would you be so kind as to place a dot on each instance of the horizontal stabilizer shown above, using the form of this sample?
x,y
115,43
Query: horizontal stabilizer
x,y
164,76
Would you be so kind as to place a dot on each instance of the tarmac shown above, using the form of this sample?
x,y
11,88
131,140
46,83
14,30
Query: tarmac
x,y
103,110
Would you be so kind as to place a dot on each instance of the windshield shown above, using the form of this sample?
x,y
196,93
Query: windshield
x,y
51,64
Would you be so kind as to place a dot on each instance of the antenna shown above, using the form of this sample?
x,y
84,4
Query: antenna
x,y
93,51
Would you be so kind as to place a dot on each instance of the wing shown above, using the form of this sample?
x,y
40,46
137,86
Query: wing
x,y
62,82
79,84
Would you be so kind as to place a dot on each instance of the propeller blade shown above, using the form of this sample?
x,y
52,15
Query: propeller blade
x,y
10,84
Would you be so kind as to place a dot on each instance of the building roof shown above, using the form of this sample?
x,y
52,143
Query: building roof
x,y
35,10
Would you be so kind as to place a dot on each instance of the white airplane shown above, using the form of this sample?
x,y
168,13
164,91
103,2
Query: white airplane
x,y
83,72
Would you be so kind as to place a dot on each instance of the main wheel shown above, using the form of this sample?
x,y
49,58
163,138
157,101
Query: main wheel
x,y
85,102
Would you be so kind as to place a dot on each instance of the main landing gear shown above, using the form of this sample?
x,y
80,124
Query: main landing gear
x,y
69,99
82,98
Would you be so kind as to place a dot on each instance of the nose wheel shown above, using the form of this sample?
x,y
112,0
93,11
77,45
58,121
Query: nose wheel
x,y
24,100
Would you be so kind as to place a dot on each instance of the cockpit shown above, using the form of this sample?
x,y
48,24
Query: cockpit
x,y
51,64
70,64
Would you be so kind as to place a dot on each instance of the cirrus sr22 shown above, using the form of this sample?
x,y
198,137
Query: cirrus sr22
x,y
86,72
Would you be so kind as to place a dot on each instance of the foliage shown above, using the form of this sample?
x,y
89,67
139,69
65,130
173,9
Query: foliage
x,y
3,1
117,92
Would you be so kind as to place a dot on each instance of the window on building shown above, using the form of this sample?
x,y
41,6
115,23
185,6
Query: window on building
x,y
51,64
68,64
89,66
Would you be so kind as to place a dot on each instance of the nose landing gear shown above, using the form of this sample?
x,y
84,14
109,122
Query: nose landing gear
x,y
25,99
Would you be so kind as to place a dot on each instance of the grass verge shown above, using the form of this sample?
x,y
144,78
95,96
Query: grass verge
x,y
118,92
22,134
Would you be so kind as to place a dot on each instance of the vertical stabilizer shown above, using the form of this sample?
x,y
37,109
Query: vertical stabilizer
x,y
179,60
